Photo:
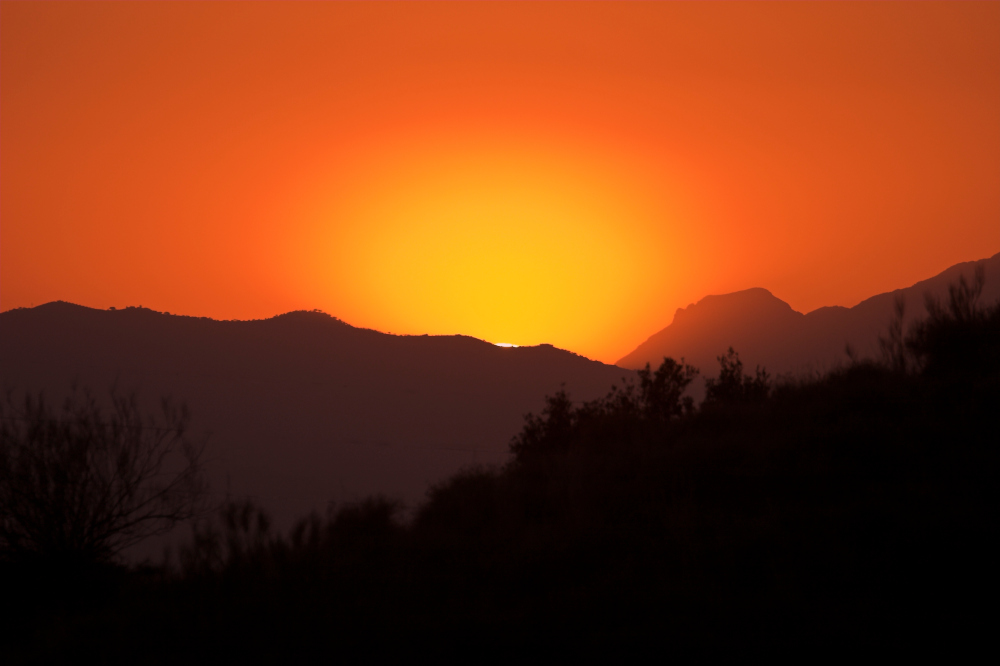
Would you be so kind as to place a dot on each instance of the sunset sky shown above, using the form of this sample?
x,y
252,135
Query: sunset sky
x,y
524,173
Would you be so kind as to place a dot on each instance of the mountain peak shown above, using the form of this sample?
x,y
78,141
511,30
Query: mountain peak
x,y
767,331
748,302
716,322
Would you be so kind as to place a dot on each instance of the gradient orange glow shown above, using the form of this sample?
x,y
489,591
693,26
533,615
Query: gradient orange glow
x,y
523,173
503,236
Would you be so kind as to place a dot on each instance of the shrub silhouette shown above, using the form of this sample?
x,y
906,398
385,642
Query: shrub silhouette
x,y
240,537
657,401
892,344
960,337
662,392
551,431
82,484
239,542
732,386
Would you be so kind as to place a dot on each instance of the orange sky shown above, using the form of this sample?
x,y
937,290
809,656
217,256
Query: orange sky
x,y
525,173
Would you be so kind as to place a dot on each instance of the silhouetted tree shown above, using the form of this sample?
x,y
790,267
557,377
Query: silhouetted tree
x,y
893,343
962,337
238,538
549,431
83,484
662,392
658,399
732,386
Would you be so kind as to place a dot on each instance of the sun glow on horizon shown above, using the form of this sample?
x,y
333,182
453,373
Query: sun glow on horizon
x,y
562,173
493,236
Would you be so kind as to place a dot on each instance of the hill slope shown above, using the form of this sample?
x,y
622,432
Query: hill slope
x,y
767,331
303,408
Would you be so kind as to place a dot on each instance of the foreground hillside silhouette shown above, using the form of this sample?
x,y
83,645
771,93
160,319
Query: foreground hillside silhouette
x,y
844,512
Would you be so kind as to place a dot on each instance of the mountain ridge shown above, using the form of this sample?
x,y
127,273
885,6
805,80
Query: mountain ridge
x,y
766,331
303,408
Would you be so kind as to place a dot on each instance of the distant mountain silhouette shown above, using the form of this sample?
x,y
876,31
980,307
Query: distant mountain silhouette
x,y
767,331
303,408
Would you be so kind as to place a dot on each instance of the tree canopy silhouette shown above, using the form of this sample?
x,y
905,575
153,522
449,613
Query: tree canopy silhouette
x,y
661,393
657,401
959,337
85,483
732,386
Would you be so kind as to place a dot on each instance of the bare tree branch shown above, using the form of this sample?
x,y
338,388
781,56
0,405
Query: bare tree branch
x,y
88,482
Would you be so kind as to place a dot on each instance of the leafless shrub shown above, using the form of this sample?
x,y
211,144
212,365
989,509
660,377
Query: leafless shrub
x,y
893,343
84,483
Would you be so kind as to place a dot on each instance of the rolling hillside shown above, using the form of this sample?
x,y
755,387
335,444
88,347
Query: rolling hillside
x,y
302,409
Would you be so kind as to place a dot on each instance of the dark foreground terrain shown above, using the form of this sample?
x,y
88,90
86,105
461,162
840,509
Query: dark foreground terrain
x,y
851,511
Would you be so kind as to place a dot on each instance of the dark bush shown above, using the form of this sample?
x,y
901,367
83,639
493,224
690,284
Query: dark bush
x,y
961,337
732,386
